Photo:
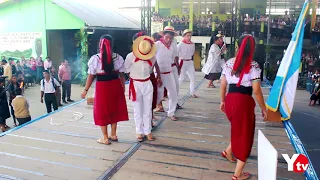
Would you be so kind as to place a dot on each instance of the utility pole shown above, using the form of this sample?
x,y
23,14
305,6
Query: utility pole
x,y
268,48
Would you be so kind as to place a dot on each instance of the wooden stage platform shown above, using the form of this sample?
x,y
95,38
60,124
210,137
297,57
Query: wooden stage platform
x,y
58,146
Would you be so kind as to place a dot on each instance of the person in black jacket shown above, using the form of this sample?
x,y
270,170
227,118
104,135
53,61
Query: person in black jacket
x,y
13,86
4,108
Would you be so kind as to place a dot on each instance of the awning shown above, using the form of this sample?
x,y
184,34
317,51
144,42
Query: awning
x,y
96,13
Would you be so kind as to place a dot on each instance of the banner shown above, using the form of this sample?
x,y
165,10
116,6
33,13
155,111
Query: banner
x,y
16,45
156,27
284,88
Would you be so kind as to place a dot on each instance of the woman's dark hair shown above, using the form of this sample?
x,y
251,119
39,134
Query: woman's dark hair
x,y
156,36
213,39
108,67
18,91
168,32
247,51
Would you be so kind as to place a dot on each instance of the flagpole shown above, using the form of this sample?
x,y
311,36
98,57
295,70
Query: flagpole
x,y
268,39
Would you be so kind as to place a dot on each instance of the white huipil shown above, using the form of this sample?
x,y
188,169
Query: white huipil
x,y
214,62
140,70
186,51
174,66
164,58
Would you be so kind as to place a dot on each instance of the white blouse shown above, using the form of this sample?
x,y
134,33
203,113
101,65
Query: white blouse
x,y
254,73
95,65
186,51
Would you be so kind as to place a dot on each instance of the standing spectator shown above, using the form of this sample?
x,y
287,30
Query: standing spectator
x,y
33,67
7,71
39,69
315,93
65,76
13,65
61,65
48,91
21,82
21,107
47,64
13,86
55,75
4,108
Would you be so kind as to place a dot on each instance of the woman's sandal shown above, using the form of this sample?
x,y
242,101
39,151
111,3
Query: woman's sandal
x,y
245,176
173,118
139,138
225,155
159,110
103,141
113,138
150,137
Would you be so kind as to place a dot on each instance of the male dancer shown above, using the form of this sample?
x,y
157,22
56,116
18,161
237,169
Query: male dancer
x,y
176,69
139,63
166,52
186,50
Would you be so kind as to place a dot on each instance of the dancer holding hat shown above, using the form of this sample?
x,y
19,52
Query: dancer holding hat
x,y
166,52
139,63
109,100
186,50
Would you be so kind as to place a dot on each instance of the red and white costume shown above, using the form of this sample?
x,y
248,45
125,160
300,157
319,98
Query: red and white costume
x,y
174,65
186,51
109,99
140,91
165,55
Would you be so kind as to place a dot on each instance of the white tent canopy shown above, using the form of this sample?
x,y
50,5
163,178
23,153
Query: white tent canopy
x,y
99,13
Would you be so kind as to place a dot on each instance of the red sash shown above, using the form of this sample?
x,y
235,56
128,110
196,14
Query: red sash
x,y
173,65
132,90
166,72
181,62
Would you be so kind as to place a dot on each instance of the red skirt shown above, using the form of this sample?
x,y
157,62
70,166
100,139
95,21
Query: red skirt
x,y
239,109
109,103
155,90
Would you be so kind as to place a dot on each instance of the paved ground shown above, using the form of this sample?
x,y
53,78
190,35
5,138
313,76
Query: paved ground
x,y
59,147
306,121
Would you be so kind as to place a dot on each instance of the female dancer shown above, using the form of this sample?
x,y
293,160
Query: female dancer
x,y
243,76
109,101
213,67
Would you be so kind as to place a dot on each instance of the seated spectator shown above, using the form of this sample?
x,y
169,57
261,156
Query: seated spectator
x,y
21,108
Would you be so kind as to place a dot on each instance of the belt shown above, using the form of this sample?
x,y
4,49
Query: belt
x,y
181,62
132,90
165,72
107,77
241,89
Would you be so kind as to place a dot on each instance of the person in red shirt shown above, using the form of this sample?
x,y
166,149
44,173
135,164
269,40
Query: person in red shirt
x,y
65,77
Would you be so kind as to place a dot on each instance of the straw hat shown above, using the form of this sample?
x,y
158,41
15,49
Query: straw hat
x,y
144,48
186,31
168,29
219,35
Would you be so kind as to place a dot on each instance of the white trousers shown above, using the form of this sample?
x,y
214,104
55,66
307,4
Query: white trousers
x,y
142,106
176,78
168,83
188,69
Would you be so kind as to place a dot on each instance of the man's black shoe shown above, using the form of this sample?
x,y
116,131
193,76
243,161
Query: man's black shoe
x,y
65,102
69,100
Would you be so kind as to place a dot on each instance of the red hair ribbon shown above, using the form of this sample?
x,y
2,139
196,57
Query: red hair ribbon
x,y
141,33
187,42
239,58
166,45
105,43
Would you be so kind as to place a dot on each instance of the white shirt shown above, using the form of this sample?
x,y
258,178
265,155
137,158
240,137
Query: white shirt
x,y
186,51
253,74
140,69
165,57
48,86
95,65
47,64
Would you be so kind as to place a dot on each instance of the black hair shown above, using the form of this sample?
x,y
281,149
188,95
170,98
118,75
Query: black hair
x,y
168,32
2,80
141,33
156,36
4,61
46,71
18,91
107,67
10,59
246,53
213,39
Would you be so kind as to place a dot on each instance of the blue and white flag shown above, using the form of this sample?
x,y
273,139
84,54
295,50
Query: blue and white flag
x,y
285,85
